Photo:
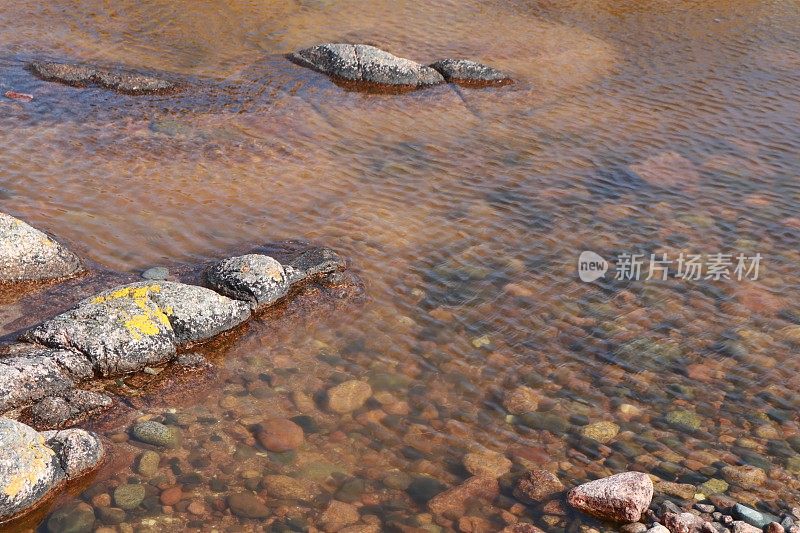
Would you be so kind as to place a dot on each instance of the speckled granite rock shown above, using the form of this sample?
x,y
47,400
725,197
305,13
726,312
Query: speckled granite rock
x,y
466,72
257,279
29,373
120,80
33,465
368,64
67,408
619,498
27,254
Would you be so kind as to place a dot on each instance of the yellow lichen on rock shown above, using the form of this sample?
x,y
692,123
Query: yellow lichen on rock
x,y
145,323
36,455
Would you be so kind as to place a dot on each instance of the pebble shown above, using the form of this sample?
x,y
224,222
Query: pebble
x,y
280,435
338,515
745,476
288,488
247,505
487,463
537,486
129,496
156,434
156,273
601,431
171,496
348,396
684,419
72,519
521,400
147,464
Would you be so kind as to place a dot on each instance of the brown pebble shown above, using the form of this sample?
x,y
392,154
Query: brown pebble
x,y
171,496
280,435
196,508
102,500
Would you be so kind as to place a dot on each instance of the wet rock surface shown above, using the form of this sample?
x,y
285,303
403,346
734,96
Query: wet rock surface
x,y
367,64
33,465
257,279
115,79
618,498
467,72
27,254
68,408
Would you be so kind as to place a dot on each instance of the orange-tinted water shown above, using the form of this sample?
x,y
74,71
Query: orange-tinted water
x,y
464,211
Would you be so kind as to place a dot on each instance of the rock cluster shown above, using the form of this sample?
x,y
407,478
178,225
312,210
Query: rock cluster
x,y
33,465
131,327
120,80
367,64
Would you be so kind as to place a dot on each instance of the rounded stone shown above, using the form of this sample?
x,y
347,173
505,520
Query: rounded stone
x,y
171,496
156,273
27,254
129,496
147,464
487,463
745,476
521,400
156,434
684,419
72,519
280,435
348,396
600,431
247,505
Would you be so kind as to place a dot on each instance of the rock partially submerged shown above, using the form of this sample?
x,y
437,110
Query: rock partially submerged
x,y
27,254
69,407
115,79
257,279
467,72
366,64
34,465
618,498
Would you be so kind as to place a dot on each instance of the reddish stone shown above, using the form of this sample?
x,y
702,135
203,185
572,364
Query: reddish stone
x,y
452,503
537,486
171,496
280,435
619,498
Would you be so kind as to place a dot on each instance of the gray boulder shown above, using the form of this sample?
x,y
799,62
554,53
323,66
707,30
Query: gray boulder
x,y
257,279
312,263
120,330
31,373
27,254
197,313
618,498
33,465
120,80
367,64
466,72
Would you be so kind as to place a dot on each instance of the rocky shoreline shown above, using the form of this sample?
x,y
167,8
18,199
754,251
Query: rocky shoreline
x,y
119,331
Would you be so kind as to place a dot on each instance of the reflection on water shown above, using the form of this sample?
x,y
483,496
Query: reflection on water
x,y
650,127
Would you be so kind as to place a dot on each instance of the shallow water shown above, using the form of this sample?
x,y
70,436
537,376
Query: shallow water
x,y
464,211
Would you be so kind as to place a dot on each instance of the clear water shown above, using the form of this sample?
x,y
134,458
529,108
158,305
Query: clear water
x,y
464,212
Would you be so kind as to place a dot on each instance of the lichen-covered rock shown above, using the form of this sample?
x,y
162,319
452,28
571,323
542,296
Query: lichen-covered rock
x,y
27,254
618,498
120,80
197,313
466,72
120,330
31,373
67,408
368,64
314,262
257,279
32,465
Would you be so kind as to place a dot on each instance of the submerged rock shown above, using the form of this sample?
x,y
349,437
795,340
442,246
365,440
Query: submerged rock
x,y
453,502
368,64
466,72
67,408
348,396
156,434
257,279
619,498
31,373
27,254
116,79
537,486
33,464
314,262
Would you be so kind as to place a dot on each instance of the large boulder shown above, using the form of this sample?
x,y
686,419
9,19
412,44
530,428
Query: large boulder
x,y
120,330
33,465
466,72
256,279
116,79
30,373
27,254
197,313
618,498
124,329
366,64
